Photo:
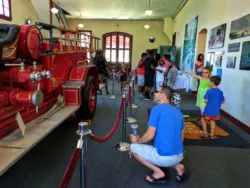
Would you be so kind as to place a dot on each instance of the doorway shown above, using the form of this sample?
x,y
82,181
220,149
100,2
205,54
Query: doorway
x,y
202,40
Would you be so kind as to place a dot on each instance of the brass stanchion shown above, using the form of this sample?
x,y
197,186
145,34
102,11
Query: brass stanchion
x,y
83,131
123,145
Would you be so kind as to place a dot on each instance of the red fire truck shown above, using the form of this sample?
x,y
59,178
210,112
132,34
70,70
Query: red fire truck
x,y
43,80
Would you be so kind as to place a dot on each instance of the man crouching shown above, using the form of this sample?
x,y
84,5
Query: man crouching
x,y
165,126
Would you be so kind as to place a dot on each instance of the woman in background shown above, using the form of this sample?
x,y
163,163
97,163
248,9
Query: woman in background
x,y
199,65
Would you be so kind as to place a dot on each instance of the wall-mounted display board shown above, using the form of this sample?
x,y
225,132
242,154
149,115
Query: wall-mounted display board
x,y
231,61
245,56
240,27
217,37
189,45
234,47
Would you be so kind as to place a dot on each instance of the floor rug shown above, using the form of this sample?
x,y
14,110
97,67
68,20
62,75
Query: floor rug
x,y
224,136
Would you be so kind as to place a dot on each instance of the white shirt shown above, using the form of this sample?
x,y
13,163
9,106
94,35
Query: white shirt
x,y
159,75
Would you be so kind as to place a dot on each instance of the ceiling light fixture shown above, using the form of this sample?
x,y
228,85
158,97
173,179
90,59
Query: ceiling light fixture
x,y
54,10
148,11
80,25
147,26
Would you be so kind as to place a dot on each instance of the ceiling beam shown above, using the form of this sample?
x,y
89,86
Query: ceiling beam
x,y
179,9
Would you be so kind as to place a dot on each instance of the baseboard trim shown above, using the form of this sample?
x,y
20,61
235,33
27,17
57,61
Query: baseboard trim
x,y
237,122
194,92
180,90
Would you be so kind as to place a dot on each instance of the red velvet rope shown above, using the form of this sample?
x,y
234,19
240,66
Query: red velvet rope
x,y
70,168
112,131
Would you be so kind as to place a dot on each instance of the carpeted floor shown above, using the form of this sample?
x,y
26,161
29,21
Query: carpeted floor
x,y
43,166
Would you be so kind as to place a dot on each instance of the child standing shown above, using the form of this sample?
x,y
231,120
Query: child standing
x,y
172,75
160,73
123,77
203,87
213,98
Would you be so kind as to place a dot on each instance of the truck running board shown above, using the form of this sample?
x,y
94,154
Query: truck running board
x,y
14,146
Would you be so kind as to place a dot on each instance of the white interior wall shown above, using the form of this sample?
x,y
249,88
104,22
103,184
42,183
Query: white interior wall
x,y
235,83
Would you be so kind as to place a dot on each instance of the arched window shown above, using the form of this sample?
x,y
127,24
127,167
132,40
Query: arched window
x,y
117,48
5,9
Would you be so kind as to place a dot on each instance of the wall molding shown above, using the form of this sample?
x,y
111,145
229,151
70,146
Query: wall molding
x,y
237,122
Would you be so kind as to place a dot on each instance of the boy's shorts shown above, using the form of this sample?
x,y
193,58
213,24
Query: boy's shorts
x,y
150,154
214,118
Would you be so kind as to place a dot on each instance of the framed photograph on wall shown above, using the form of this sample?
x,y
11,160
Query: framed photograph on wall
x,y
240,27
234,47
218,60
217,37
231,61
210,60
245,56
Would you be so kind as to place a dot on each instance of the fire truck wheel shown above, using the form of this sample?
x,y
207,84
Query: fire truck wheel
x,y
88,97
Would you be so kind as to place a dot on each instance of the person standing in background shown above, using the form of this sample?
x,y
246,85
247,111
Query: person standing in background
x,y
140,74
100,62
172,75
199,65
149,65
160,74
157,57
166,59
124,75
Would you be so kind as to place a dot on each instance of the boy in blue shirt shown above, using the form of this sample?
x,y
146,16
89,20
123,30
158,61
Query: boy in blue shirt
x,y
213,98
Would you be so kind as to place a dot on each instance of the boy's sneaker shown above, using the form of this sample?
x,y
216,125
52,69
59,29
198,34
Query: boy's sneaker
x,y
146,98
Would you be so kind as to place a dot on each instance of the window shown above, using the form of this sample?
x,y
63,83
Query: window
x,y
5,9
118,48
85,37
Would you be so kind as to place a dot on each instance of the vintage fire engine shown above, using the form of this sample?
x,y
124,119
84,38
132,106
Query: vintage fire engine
x,y
37,74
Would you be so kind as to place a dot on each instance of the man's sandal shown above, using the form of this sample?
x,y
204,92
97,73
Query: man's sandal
x,y
155,180
182,178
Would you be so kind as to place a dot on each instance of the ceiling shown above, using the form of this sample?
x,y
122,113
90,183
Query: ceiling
x,y
121,9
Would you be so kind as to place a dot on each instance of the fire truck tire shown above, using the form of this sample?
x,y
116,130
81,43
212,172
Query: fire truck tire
x,y
88,97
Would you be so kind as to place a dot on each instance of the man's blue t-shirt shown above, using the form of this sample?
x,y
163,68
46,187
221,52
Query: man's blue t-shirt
x,y
215,97
169,124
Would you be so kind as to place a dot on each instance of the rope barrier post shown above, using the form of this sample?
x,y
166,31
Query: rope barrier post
x,y
113,84
123,145
124,118
130,119
131,99
134,106
83,131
